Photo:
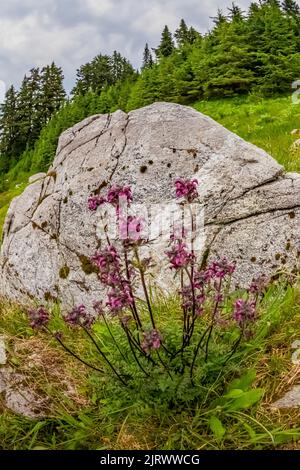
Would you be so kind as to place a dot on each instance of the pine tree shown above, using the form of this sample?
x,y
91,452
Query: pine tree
x,y
236,14
102,72
292,12
224,67
182,34
291,8
9,130
147,58
52,93
276,58
166,46
193,35
220,19
28,109
121,68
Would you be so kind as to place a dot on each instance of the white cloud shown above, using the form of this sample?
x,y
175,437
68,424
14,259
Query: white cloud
x,y
71,32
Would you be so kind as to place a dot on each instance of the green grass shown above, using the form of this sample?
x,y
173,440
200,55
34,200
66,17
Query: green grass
x,y
5,200
106,415
266,123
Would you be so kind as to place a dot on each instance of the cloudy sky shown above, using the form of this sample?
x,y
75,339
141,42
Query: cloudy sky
x,y
71,32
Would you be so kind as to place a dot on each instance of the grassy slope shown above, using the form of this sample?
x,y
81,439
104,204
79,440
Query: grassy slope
x,y
5,200
91,411
266,123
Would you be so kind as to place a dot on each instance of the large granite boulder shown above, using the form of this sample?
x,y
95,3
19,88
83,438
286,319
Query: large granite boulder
x,y
251,206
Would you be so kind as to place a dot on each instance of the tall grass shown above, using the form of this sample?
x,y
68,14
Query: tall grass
x,y
109,416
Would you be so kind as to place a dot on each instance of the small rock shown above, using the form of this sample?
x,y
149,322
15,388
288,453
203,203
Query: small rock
x,y
18,397
3,357
296,132
295,146
36,177
290,400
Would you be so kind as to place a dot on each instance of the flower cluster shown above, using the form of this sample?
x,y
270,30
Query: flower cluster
x,y
187,189
108,261
119,298
179,255
79,317
109,264
38,317
258,285
221,268
244,312
131,228
123,272
95,201
191,299
114,195
151,340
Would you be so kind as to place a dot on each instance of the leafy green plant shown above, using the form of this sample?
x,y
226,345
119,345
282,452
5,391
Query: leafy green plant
x,y
168,361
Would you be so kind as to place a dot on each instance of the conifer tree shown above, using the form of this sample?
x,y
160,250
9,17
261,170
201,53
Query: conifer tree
x,y
147,58
236,13
219,19
166,46
102,72
193,35
182,35
9,130
28,106
291,8
52,92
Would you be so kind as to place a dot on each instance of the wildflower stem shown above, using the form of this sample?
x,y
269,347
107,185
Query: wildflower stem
x,y
197,351
213,319
134,354
235,346
133,306
142,274
113,338
103,355
72,353
189,328
105,231
164,365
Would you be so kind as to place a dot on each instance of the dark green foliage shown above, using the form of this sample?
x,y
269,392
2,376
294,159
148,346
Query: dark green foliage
x,y
182,34
101,72
52,92
8,124
147,58
24,113
166,46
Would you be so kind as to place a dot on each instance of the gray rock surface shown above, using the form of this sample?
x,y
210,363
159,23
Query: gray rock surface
x,y
296,145
17,396
290,400
3,356
251,206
